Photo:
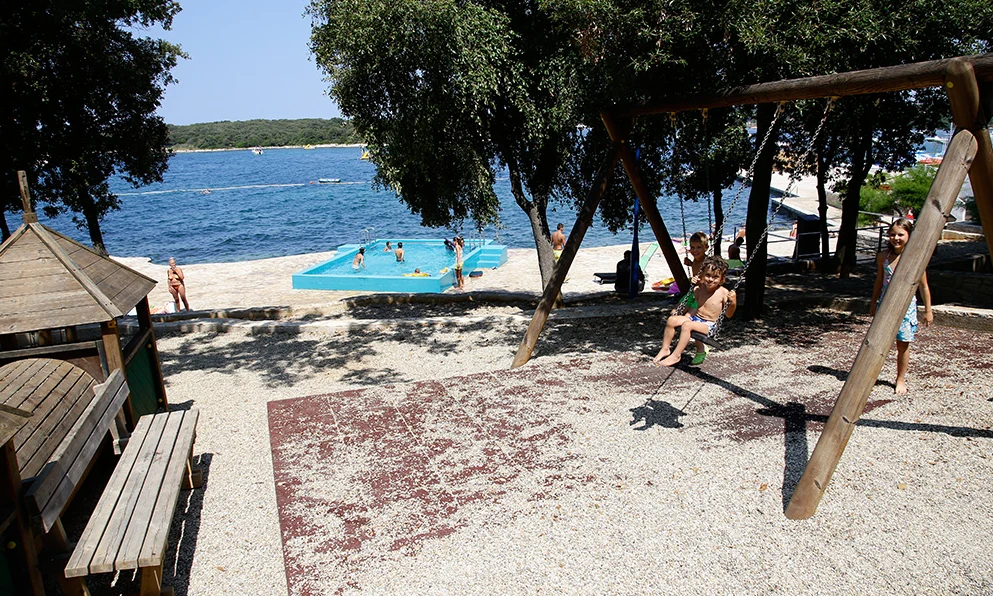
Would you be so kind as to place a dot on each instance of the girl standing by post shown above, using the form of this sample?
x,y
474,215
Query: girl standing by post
x,y
886,262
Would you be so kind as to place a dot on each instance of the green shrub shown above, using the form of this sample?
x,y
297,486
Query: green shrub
x,y
910,188
874,200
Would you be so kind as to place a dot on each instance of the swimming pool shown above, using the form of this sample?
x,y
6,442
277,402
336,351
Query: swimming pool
x,y
383,273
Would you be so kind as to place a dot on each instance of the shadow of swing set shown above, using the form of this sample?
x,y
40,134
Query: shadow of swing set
x,y
968,82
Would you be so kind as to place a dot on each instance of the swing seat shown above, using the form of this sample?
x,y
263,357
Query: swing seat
x,y
704,338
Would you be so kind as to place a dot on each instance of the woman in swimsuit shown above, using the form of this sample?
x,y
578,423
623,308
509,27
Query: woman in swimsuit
x,y
177,284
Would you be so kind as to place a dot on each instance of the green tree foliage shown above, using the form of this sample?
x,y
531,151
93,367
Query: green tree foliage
x,y
448,93
79,98
262,133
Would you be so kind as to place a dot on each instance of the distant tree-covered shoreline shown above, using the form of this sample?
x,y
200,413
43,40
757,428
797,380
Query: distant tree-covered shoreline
x,y
261,133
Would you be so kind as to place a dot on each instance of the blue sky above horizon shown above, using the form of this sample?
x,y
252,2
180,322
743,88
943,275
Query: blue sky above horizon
x,y
248,59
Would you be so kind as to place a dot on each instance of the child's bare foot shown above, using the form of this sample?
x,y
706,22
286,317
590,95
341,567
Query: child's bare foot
x,y
672,360
659,358
901,388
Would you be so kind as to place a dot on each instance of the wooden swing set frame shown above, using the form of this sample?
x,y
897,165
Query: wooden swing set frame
x,y
968,81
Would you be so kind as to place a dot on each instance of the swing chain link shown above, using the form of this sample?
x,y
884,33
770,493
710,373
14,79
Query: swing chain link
x,y
719,233
793,179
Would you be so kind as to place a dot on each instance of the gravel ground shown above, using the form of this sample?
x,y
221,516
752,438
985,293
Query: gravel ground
x,y
704,461
697,506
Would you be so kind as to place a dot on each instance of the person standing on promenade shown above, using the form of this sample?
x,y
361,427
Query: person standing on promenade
x,y
886,261
459,248
558,242
177,284
359,260
399,252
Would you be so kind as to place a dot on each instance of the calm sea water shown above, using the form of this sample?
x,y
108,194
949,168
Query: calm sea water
x,y
270,205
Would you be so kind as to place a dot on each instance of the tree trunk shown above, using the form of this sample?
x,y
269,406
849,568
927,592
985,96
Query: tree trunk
x,y
758,212
538,217
822,208
845,253
93,226
4,230
718,219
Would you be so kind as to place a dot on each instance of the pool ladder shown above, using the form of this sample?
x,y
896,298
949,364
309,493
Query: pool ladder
x,y
475,239
367,235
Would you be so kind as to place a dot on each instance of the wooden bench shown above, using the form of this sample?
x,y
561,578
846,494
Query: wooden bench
x,y
53,486
129,528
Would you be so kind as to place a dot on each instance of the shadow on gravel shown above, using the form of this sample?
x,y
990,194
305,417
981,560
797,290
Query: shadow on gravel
x,y
842,375
656,413
288,358
795,418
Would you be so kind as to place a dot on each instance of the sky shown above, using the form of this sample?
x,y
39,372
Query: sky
x,y
247,59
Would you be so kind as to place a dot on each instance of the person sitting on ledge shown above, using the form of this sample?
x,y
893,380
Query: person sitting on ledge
x,y
734,251
623,280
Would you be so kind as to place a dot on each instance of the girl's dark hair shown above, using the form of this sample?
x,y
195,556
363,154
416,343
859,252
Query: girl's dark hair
x,y
904,223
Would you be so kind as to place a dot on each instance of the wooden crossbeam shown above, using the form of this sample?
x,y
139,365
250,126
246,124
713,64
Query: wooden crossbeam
x,y
860,82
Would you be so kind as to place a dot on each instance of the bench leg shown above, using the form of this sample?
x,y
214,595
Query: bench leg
x,y
56,539
151,582
193,478
73,586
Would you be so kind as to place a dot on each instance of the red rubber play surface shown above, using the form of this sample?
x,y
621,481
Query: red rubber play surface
x,y
368,475
528,467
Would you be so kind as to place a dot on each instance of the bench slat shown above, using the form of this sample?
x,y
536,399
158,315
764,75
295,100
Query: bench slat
x,y
117,525
51,492
65,414
42,403
86,548
13,387
155,477
156,542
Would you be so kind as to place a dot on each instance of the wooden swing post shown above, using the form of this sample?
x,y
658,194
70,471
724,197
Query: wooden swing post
x,y
879,338
648,205
561,269
971,110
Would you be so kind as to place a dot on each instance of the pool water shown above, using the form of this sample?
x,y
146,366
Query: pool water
x,y
382,272
430,258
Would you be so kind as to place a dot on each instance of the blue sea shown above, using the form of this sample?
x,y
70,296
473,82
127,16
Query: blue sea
x,y
271,205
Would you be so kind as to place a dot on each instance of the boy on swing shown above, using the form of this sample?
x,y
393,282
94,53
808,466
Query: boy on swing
x,y
703,305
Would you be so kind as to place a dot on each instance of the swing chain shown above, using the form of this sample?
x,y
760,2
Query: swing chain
x,y
719,233
794,178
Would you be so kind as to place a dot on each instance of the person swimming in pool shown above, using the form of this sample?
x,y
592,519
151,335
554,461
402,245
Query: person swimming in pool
x,y
399,252
359,260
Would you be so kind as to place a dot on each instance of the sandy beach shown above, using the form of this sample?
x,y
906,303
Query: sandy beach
x,y
606,475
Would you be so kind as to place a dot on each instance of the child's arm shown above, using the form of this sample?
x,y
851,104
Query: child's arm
x,y
731,299
877,288
926,295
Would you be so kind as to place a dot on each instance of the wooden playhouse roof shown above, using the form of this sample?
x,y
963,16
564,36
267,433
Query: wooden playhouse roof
x,y
48,281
